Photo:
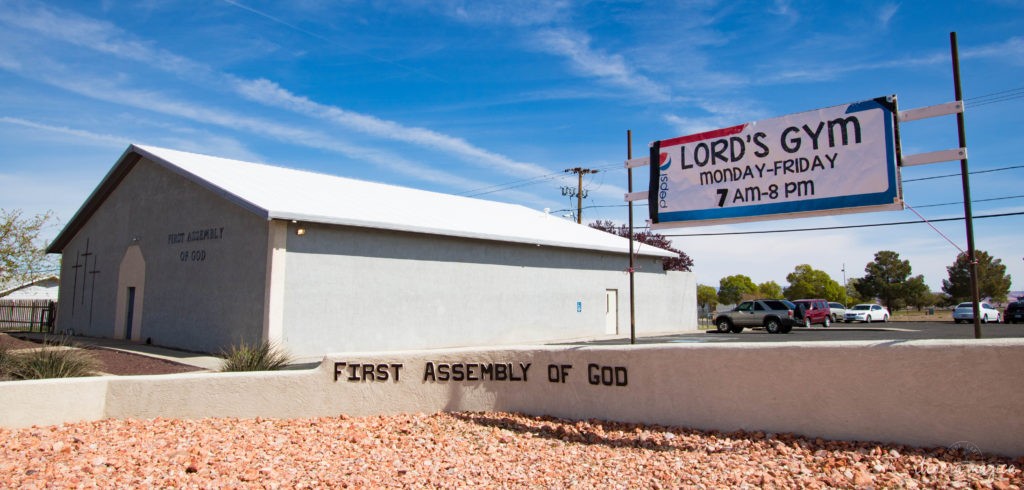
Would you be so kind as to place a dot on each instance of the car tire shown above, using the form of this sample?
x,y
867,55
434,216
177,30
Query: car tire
x,y
807,322
827,323
736,329
885,318
867,318
772,325
723,325
984,318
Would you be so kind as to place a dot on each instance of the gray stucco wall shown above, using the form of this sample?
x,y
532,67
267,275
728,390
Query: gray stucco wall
x,y
203,289
351,288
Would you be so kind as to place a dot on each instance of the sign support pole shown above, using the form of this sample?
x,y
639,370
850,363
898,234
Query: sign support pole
x,y
632,297
968,216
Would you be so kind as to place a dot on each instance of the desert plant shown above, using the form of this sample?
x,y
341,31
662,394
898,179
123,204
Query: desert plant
x,y
56,360
265,356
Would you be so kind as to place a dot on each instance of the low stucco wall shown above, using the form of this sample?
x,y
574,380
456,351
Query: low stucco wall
x,y
922,393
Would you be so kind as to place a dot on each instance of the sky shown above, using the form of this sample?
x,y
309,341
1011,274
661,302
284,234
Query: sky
x,y
497,99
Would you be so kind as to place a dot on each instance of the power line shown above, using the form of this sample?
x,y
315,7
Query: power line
x,y
870,225
986,99
1004,198
991,199
1013,167
977,101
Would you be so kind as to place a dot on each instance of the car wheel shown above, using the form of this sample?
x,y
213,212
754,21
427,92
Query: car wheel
x,y
827,322
835,319
724,325
736,329
807,322
772,325
867,318
984,318
885,318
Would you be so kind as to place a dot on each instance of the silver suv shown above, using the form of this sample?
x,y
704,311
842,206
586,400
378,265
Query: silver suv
x,y
775,315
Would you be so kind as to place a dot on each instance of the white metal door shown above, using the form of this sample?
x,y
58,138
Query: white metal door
x,y
611,311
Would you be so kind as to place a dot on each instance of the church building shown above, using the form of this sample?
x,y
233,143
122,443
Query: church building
x,y
201,253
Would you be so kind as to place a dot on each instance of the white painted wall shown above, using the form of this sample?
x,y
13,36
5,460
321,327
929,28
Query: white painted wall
x,y
358,289
203,303
921,393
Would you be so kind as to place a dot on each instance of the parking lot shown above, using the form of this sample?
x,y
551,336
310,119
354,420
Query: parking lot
x,y
843,331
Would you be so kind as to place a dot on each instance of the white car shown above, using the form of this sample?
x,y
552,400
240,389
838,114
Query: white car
x,y
866,313
964,312
838,312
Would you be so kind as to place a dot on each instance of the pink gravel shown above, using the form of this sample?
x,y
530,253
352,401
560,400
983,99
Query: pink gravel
x,y
466,450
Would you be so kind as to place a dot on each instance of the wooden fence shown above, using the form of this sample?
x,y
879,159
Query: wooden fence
x,y
27,315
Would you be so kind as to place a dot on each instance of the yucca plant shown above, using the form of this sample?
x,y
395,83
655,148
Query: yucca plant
x,y
55,360
265,356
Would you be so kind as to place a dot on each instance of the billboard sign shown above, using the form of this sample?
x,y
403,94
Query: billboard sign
x,y
835,160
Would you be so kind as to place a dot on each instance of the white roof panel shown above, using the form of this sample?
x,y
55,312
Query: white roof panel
x,y
284,193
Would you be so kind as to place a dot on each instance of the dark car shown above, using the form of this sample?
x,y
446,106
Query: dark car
x,y
812,311
1014,312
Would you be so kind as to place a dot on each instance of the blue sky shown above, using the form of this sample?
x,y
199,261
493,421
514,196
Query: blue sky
x,y
495,99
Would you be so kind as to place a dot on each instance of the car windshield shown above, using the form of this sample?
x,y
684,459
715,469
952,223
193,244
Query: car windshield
x,y
965,305
862,307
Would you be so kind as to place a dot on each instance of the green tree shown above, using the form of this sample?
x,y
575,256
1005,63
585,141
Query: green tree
x,y
993,281
852,296
886,279
770,289
732,289
919,295
707,298
21,256
681,263
808,282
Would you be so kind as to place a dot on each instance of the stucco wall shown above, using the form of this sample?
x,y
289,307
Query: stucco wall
x,y
203,290
352,288
922,393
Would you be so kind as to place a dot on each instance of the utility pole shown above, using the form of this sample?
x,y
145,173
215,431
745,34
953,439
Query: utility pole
x,y
579,191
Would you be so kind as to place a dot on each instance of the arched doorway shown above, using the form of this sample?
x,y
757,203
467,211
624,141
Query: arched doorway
x,y
131,281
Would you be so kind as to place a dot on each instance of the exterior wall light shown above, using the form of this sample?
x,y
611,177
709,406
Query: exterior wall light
x,y
300,231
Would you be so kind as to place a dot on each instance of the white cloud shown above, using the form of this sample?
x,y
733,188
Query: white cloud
x,y
608,68
508,12
886,13
103,37
269,93
107,140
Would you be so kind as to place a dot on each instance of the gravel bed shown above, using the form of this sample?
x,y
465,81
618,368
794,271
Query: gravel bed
x,y
466,450
111,361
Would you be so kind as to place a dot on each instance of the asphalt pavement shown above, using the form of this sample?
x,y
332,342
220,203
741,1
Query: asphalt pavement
x,y
842,331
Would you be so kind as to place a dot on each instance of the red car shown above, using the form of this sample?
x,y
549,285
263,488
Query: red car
x,y
813,311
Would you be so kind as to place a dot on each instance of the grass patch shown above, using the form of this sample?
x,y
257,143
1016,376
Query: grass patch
x,y
52,360
265,356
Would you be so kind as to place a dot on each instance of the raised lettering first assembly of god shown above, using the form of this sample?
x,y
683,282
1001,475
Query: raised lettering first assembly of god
x,y
836,160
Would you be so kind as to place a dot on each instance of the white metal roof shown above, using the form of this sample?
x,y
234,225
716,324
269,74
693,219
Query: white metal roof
x,y
289,194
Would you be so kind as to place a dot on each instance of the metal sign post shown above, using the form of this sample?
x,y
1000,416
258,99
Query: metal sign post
x,y
632,297
968,216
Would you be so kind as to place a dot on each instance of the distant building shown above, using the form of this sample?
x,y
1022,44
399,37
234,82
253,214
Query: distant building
x,y
200,253
43,288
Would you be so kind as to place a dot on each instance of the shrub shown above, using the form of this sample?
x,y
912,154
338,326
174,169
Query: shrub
x,y
55,360
266,356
